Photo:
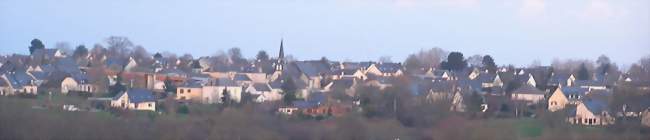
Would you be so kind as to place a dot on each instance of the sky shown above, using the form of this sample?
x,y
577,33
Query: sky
x,y
512,31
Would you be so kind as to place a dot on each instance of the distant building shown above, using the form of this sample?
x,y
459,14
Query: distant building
x,y
135,99
591,112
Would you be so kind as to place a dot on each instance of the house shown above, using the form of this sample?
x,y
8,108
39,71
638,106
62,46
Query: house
x,y
563,96
346,85
121,64
348,73
14,82
528,93
77,83
262,93
363,66
385,69
288,110
311,72
434,74
591,84
46,55
591,112
214,91
527,79
441,91
561,79
135,99
379,82
645,120
190,91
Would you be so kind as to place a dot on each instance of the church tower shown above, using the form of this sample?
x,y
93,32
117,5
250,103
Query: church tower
x,y
279,64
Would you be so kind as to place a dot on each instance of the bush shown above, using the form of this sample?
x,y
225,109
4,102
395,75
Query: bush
x,y
183,109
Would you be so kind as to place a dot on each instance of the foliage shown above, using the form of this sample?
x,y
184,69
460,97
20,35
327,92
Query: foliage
x,y
289,90
169,86
262,56
35,45
583,73
118,87
80,52
183,109
455,62
488,62
225,97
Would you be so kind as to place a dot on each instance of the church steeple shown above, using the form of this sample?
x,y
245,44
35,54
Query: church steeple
x,y
279,64
281,56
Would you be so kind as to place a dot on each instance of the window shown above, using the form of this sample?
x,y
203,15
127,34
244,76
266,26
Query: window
x,y
149,104
181,91
189,90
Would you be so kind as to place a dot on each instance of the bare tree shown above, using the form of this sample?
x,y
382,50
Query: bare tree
x,y
119,46
63,47
385,59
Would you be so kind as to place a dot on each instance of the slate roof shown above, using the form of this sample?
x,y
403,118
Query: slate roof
x,y
80,78
137,95
486,78
225,82
18,79
312,68
344,72
241,77
389,67
589,83
345,83
506,76
574,91
528,89
172,72
357,65
314,100
596,106
262,87
67,65
559,79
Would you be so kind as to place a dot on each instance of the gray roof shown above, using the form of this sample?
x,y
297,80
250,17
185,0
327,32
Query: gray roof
x,y
45,52
345,83
574,91
589,83
313,68
486,78
67,65
225,82
261,87
528,89
241,77
18,79
314,100
357,65
596,106
137,95
389,67
559,79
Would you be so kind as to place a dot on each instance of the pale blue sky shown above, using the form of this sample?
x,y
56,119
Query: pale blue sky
x,y
513,31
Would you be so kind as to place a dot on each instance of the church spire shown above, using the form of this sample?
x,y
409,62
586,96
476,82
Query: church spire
x,y
279,64
281,56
